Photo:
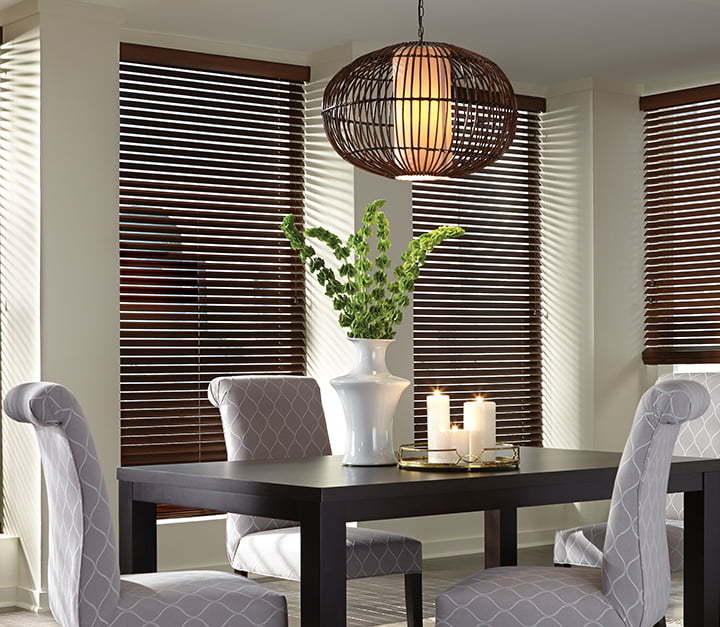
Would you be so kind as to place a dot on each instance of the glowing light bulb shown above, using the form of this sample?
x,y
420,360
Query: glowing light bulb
x,y
423,113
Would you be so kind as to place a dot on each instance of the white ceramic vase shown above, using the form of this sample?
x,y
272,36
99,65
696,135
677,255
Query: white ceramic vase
x,y
369,395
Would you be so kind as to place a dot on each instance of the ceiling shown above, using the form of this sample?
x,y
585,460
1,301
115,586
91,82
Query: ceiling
x,y
535,41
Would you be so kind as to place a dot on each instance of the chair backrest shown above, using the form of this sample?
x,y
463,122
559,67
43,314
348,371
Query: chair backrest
x,y
268,417
697,438
84,578
635,570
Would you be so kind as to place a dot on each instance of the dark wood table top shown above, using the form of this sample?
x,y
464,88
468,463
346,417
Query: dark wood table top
x,y
322,495
326,479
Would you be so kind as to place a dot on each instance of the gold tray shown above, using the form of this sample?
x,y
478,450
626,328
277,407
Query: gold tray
x,y
416,457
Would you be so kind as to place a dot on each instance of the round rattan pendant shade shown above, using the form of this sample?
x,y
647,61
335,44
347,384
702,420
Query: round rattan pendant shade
x,y
420,110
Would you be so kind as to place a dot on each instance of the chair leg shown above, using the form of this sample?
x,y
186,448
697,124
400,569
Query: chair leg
x,y
413,599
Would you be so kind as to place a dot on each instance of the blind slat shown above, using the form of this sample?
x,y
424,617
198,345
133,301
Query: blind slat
x,y
210,162
682,215
476,306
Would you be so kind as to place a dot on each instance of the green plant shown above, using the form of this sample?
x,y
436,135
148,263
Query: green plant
x,y
370,305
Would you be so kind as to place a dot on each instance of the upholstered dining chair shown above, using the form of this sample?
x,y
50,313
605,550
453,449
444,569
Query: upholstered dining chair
x,y
85,586
632,587
583,546
277,417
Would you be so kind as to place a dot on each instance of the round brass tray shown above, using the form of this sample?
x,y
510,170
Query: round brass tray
x,y
417,456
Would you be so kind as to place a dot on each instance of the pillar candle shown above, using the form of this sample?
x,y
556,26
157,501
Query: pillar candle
x,y
438,411
453,438
438,419
479,421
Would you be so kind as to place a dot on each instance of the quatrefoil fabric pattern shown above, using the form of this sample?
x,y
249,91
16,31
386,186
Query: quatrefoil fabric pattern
x,y
583,546
699,438
632,587
280,417
520,596
369,553
197,599
268,417
85,587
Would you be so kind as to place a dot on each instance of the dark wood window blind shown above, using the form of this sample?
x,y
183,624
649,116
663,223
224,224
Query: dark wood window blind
x,y
682,226
477,301
210,162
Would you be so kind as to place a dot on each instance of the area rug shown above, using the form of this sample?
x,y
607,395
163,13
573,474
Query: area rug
x,y
429,622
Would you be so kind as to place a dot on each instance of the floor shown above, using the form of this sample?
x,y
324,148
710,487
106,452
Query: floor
x,y
380,600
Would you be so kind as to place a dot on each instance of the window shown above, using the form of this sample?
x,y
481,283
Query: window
x,y
477,302
682,226
211,159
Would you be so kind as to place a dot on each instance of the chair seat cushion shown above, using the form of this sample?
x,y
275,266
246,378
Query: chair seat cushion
x,y
583,546
370,553
521,596
197,599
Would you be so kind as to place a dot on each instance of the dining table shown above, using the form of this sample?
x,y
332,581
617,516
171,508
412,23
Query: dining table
x,y
322,495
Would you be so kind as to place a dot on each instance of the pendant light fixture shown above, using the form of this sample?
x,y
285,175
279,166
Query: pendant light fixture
x,y
420,110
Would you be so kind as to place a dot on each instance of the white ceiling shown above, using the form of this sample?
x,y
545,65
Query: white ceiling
x,y
534,41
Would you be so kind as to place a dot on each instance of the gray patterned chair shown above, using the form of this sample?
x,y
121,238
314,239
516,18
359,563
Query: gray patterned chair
x,y
633,586
276,417
85,586
583,546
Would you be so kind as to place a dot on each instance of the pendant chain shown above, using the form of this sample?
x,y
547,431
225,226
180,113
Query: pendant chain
x,y
421,14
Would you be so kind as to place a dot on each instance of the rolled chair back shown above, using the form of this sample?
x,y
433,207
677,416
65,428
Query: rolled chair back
x,y
635,570
83,579
268,417
698,438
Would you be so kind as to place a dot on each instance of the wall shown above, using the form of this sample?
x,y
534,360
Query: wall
x,y
330,202
20,308
61,312
620,377
567,267
593,279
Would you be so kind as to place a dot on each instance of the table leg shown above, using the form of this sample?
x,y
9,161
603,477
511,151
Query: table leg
x,y
701,578
323,566
138,532
501,537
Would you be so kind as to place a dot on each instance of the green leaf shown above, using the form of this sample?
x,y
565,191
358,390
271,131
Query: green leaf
x,y
369,306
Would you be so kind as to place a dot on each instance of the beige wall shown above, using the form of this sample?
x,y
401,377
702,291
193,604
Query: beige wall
x,y
20,308
65,241
620,378
67,307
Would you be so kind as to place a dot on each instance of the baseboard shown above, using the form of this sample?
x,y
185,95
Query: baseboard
x,y
33,600
450,547
7,596
9,555
12,594
202,540
443,547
